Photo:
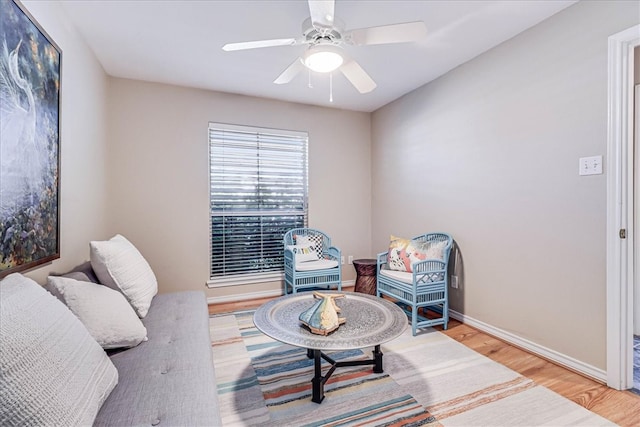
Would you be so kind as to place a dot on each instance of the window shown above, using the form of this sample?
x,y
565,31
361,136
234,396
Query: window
x,y
258,191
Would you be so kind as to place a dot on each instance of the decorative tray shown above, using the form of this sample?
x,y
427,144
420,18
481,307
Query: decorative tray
x,y
369,321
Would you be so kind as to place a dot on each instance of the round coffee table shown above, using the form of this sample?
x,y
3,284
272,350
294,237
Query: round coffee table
x,y
370,321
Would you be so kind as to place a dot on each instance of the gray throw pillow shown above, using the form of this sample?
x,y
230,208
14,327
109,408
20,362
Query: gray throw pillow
x,y
52,372
106,313
83,273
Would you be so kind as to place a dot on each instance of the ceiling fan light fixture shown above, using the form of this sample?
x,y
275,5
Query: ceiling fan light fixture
x,y
323,58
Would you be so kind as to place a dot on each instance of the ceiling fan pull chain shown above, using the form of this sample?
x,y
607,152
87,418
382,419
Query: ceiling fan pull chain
x,y
310,84
330,87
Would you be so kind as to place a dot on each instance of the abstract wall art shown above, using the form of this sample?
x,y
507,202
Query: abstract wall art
x,y
30,76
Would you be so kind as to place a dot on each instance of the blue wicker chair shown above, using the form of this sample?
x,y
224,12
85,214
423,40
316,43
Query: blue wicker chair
x,y
426,287
324,272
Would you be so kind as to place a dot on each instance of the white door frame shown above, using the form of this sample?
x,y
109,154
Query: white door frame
x,y
620,251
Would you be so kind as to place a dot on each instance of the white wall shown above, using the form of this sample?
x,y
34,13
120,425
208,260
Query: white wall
x,y
489,152
82,142
636,299
636,65
158,157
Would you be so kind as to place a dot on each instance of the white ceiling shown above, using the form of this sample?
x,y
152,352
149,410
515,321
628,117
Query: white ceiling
x,y
180,43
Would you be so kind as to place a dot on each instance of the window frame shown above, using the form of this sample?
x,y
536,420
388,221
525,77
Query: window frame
x,y
249,278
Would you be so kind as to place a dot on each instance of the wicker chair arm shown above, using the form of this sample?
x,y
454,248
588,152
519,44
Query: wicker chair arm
x,y
288,254
429,271
333,253
381,259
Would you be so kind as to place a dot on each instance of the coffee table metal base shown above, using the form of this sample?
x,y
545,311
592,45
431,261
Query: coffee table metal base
x,y
318,381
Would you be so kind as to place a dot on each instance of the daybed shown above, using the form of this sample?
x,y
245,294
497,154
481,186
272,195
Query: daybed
x,y
54,372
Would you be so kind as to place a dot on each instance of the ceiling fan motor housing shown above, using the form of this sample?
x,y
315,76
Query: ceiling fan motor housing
x,y
317,34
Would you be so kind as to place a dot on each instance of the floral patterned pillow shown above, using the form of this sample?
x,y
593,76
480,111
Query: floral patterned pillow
x,y
405,252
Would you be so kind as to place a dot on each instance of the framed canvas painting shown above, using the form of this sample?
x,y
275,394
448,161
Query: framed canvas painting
x,y
30,71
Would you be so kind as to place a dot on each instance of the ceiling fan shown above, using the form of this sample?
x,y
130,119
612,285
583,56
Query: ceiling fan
x,y
326,37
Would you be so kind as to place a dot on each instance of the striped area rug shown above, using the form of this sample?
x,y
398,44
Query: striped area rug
x,y
429,379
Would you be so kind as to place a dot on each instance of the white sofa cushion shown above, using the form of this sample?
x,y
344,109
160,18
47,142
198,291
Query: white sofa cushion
x,y
107,315
402,276
321,264
53,371
120,266
406,277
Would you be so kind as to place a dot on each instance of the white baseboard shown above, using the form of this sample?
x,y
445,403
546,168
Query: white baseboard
x,y
561,359
244,297
260,294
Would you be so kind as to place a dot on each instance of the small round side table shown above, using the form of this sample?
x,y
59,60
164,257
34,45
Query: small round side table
x,y
366,275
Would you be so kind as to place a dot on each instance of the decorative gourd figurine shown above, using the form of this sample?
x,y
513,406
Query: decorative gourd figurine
x,y
322,318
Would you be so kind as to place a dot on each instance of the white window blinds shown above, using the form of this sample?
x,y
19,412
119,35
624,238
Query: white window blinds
x,y
258,191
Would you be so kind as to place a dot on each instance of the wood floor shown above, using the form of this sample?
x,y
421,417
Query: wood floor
x,y
621,407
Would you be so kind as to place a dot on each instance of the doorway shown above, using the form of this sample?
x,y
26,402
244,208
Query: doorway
x,y
636,171
620,234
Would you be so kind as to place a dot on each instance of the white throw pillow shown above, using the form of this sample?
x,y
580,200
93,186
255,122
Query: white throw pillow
x,y
303,253
106,313
314,240
53,372
120,266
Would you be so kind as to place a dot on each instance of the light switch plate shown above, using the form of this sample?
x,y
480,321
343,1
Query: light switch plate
x,y
590,165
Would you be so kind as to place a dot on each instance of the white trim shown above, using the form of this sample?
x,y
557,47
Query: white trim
x,y
257,129
260,294
636,209
244,279
245,297
547,353
619,209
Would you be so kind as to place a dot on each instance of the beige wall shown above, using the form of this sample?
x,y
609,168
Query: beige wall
x,y
489,152
82,142
158,157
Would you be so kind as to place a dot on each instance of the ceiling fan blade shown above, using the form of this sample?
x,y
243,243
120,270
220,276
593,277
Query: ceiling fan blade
x,y
291,71
257,44
322,12
395,33
358,77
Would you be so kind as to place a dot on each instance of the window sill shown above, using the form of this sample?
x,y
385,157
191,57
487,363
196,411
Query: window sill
x,y
244,279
